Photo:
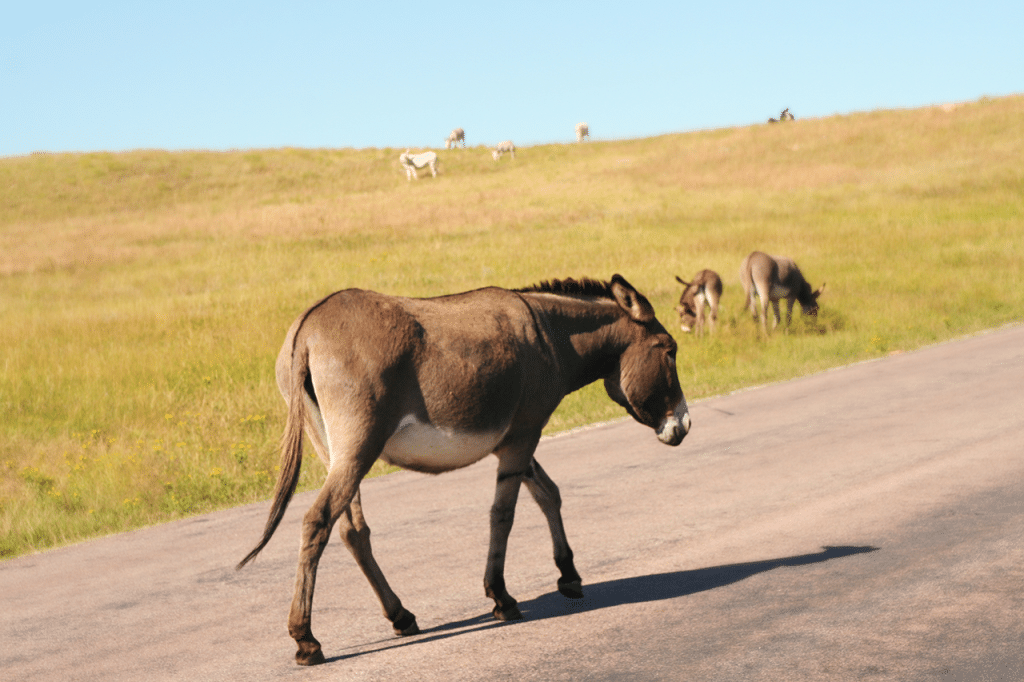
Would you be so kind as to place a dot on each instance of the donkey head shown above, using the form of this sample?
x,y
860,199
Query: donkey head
x,y
644,379
809,299
686,310
687,318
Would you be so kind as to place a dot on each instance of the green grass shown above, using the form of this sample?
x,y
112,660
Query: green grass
x,y
144,295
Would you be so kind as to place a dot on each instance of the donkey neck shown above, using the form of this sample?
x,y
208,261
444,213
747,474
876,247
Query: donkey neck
x,y
587,335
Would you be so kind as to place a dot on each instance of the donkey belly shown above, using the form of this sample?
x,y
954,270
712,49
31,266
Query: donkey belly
x,y
425,447
778,292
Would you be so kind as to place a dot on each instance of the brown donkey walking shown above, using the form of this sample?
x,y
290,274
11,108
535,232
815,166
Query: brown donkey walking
x,y
437,384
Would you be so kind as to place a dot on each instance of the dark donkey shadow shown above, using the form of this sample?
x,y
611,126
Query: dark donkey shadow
x,y
647,588
636,590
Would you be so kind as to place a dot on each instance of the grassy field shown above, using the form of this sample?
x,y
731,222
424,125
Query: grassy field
x,y
144,295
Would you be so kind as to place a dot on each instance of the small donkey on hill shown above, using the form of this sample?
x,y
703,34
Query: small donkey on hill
x,y
772,278
705,289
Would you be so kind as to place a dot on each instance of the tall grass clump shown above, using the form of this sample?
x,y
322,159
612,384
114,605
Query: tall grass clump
x,y
144,295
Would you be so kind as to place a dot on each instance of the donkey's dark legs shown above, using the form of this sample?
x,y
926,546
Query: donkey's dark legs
x,y
356,536
502,515
545,492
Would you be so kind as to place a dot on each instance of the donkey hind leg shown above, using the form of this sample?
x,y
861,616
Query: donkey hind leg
x,y
545,492
334,498
356,536
752,295
713,302
762,311
759,304
502,515
704,320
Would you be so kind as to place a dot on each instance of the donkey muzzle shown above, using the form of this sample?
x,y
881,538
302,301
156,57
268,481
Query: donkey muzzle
x,y
675,427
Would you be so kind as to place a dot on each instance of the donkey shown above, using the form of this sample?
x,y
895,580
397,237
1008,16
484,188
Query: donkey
x,y
456,136
437,384
505,147
410,162
705,289
773,278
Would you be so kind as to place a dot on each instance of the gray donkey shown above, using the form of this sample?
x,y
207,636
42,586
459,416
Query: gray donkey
x,y
773,278
705,289
437,384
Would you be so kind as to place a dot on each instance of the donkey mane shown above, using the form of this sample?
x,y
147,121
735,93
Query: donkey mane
x,y
572,287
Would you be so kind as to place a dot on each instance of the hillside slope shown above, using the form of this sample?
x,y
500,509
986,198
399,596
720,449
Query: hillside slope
x,y
144,295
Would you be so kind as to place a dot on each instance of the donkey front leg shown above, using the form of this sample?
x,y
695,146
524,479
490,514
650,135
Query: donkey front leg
x,y
546,494
502,515
356,536
775,312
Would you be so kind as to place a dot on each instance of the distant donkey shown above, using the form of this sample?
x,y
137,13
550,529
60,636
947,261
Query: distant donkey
x,y
784,116
505,147
456,136
705,289
582,132
410,162
772,278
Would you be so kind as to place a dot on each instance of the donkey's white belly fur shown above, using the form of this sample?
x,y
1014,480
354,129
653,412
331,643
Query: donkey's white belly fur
x,y
417,445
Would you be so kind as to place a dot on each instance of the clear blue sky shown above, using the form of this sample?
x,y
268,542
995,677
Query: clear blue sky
x,y
100,75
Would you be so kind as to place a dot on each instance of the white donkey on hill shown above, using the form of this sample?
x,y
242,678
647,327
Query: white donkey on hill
x,y
410,162
502,148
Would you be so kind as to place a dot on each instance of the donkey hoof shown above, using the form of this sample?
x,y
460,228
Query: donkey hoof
x,y
572,589
511,613
406,625
309,656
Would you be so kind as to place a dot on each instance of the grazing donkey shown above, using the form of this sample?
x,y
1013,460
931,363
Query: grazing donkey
x,y
784,116
582,131
439,383
772,278
502,148
456,136
410,162
705,289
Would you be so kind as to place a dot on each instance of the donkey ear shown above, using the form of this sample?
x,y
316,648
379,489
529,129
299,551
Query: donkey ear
x,y
631,300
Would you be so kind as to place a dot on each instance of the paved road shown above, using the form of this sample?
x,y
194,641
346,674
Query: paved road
x,y
863,523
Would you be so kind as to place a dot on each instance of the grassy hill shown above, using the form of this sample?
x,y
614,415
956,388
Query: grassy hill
x,y
144,295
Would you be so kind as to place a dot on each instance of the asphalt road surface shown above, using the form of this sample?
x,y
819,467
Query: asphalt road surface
x,y
862,523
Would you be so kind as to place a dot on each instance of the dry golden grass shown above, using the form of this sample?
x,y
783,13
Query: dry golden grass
x,y
143,296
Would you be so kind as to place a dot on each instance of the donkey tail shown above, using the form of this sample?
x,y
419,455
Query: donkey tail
x,y
291,452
